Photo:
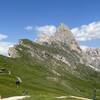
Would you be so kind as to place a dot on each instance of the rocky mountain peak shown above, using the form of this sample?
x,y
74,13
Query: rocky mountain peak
x,y
64,36
62,27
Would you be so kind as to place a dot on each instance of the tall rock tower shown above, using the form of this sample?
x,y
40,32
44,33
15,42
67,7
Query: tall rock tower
x,y
64,35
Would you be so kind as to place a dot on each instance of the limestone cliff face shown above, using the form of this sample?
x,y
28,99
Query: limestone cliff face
x,y
12,52
92,56
63,34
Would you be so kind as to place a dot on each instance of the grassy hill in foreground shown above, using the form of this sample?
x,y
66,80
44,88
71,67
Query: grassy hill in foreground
x,y
45,78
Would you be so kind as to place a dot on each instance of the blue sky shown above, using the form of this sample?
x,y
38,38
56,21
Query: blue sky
x,y
15,15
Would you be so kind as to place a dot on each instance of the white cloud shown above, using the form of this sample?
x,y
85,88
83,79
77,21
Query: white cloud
x,y
47,29
44,32
87,32
82,33
2,36
4,46
29,29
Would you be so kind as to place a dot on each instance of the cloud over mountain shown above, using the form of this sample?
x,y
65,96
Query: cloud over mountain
x,y
47,29
82,33
4,46
87,32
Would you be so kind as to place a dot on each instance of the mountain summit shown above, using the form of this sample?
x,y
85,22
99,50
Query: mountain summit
x,y
62,36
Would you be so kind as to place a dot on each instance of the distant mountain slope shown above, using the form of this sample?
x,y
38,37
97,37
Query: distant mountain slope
x,y
48,69
93,57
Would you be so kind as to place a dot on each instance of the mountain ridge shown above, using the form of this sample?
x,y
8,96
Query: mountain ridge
x,y
63,39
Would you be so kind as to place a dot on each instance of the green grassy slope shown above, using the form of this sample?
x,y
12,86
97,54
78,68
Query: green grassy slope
x,y
41,83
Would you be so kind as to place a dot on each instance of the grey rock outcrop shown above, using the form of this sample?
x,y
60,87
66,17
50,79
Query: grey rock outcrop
x,y
12,52
92,56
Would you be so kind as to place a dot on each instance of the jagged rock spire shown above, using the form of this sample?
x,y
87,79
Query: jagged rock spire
x,y
63,34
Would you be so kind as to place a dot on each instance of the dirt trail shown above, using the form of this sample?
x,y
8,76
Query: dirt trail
x,y
80,98
15,98
60,97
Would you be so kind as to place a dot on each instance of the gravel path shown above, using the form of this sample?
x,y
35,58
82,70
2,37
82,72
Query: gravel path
x,y
16,98
80,98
